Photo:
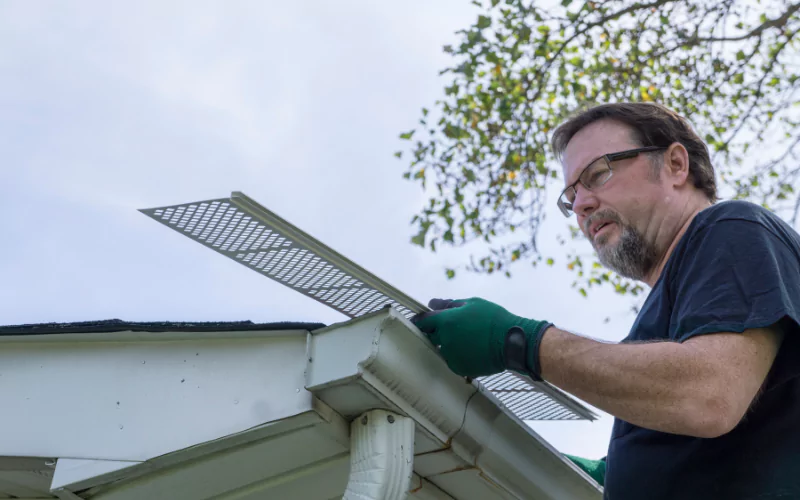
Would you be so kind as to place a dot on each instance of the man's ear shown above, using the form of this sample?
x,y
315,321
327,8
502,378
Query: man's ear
x,y
676,164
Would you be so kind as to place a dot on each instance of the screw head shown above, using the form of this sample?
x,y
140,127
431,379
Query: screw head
x,y
390,418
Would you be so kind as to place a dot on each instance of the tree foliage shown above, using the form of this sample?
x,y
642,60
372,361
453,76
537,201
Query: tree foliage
x,y
730,66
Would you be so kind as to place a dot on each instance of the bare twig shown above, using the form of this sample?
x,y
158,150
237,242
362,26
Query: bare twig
x,y
778,22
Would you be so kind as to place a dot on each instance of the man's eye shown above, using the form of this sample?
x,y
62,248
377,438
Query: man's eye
x,y
596,177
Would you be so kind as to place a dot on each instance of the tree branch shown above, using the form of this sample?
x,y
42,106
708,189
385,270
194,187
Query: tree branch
x,y
772,23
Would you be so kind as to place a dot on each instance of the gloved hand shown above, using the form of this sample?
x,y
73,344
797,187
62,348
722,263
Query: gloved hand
x,y
595,468
476,337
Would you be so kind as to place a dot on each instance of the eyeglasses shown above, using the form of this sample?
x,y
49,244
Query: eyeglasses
x,y
597,173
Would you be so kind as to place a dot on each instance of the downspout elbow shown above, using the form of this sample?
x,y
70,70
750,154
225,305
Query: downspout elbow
x,y
381,456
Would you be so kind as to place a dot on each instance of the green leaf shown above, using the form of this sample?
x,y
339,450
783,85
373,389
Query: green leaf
x,y
407,135
483,22
454,132
450,274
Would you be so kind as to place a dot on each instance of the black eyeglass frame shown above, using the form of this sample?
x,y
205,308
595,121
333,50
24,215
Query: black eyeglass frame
x,y
609,157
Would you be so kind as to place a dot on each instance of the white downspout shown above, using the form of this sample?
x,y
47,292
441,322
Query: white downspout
x,y
381,456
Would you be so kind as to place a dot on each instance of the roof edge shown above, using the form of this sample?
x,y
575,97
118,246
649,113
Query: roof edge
x,y
117,325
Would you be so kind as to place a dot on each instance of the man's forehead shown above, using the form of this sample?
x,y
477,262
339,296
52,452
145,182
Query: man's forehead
x,y
594,140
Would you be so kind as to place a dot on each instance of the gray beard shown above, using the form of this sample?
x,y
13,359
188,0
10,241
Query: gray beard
x,y
632,256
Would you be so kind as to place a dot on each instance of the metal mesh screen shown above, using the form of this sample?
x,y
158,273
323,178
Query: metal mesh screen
x,y
248,233
524,399
266,249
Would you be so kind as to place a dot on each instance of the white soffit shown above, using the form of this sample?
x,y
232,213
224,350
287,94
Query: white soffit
x,y
243,230
26,477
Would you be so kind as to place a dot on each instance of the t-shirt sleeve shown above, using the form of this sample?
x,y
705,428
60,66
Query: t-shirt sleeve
x,y
734,275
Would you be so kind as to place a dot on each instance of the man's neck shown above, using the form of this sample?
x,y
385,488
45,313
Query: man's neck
x,y
687,215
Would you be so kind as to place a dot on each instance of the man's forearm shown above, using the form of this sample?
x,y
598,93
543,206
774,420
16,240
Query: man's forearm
x,y
664,386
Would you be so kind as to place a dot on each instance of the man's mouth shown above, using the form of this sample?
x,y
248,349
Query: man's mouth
x,y
600,223
596,229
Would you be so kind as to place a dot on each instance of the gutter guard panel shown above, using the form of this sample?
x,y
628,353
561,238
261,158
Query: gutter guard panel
x,y
241,229
248,233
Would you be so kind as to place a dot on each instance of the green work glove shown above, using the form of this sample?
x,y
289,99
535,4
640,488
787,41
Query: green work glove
x,y
478,338
595,468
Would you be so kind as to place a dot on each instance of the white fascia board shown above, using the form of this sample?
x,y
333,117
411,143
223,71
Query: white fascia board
x,y
75,474
383,355
132,400
63,494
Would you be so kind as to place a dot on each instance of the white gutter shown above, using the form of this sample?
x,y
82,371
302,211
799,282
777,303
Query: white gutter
x,y
465,440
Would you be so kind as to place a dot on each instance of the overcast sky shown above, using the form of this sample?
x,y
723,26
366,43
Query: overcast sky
x,y
108,107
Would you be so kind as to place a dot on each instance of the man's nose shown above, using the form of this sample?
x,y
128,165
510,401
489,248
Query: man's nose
x,y
585,202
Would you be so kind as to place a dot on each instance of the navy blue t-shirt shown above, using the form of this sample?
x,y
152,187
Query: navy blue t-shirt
x,y
736,267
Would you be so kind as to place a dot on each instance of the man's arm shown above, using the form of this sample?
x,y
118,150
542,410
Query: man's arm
x,y
701,387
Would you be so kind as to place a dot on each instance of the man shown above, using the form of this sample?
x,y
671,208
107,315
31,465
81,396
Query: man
x,y
705,389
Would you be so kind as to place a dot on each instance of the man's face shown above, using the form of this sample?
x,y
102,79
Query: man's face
x,y
616,217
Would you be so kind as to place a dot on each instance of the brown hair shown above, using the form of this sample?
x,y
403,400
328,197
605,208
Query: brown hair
x,y
653,125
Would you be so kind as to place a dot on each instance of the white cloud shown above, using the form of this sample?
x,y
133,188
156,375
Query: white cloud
x,y
106,107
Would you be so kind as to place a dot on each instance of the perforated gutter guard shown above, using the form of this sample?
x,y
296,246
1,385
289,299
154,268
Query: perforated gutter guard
x,y
242,230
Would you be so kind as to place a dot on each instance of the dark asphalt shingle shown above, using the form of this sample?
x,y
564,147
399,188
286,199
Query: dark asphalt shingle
x,y
116,325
